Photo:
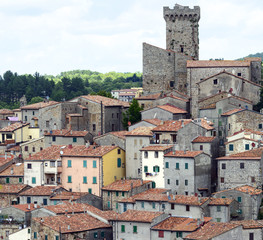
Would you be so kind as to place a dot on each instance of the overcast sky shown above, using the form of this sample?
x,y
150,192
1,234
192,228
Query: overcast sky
x,y
51,36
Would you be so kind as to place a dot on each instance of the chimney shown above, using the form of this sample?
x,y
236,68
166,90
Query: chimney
x,y
28,206
5,155
71,132
12,171
68,227
35,204
42,220
70,146
182,123
87,144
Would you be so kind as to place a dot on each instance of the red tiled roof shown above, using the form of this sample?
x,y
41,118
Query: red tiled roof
x,y
141,131
69,207
14,148
154,121
178,98
66,133
182,224
4,160
68,196
72,223
244,138
138,216
39,105
210,106
12,188
211,230
106,101
173,109
50,153
18,170
201,139
249,224
230,112
156,148
124,185
182,154
245,189
188,200
6,112
252,154
120,134
25,208
223,93
13,127
216,63
150,97
171,125
40,191
220,201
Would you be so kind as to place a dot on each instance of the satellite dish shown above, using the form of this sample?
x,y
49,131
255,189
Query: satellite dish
x,y
61,152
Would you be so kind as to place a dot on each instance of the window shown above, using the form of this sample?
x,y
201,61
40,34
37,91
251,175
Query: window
x,y
218,208
145,168
20,180
260,126
231,147
135,142
218,219
85,179
102,234
28,230
186,193
108,204
186,165
179,234
33,149
94,180
26,118
156,154
123,194
124,207
94,127
53,138
74,139
28,200
69,179
156,169
47,124
117,194
239,74
168,181
108,194
112,115
122,228
69,163
84,163
172,206
45,201
153,184
187,208
57,237
219,111
135,155
153,205
145,154
167,165
171,84
219,123
215,81
142,204
186,182
177,166
251,236
117,115
90,191
253,179
161,234
134,229
95,235
118,162
94,163
112,127
242,165
177,182
246,146
26,148
33,180
119,151
239,199
201,147
222,180
223,166
7,180
182,49
35,235
174,138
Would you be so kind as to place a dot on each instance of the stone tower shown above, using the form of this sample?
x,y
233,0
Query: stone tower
x,y
182,29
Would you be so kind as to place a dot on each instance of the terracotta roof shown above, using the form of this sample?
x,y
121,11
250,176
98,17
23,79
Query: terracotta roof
x,y
14,148
188,200
220,201
69,207
250,224
252,154
125,185
175,97
91,151
182,224
40,191
13,127
4,160
68,195
12,188
74,115
216,63
141,131
206,124
247,131
39,105
154,121
183,154
171,125
224,72
120,134
170,108
249,190
210,106
25,208
66,133
6,112
50,153
72,223
211,230
108,102
18,170
230,112
156,147
252,59
223,93
150,97
201,139
243,138
138,216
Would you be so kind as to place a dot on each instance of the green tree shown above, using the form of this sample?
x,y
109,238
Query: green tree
x,y
36,100
132,115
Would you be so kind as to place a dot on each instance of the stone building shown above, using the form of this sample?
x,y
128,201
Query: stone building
x,y
32,146
121,189
14,174
249,199
240,169
146,123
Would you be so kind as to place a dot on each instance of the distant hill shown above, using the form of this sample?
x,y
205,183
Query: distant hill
x,y
253,55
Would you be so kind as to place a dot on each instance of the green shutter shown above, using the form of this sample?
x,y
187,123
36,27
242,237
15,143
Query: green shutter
x,y
123,228
102,234
33,180
177,166
20,180
145,168
117,194
119,163
94,164
94,180
69,163
186,165
84,163
7,180
239,199
231,147
85,179
69,179
35,235
90,190
108,204
135,229
247,147
117,205
74,139
167,164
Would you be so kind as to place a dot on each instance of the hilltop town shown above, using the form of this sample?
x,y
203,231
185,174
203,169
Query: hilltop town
x,y
190,169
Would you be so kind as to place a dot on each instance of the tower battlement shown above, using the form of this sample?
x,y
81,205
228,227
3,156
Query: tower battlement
x,y
181,12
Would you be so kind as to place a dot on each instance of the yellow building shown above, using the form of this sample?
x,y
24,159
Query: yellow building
x,y
18,132
88,169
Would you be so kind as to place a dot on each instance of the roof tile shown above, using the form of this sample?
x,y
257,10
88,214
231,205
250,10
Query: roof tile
x,y
124,185
109,102
39,105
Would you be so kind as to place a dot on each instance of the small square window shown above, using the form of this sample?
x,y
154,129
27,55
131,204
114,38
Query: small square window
x,y
29,166
260,126
134,229
186,165
239,74
218,208
231,147
74,139
187,208
172,206
53,138
201,147
119,151
242,165
246,146
166,164
223,166
222,180
161,234
69,179
215,81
